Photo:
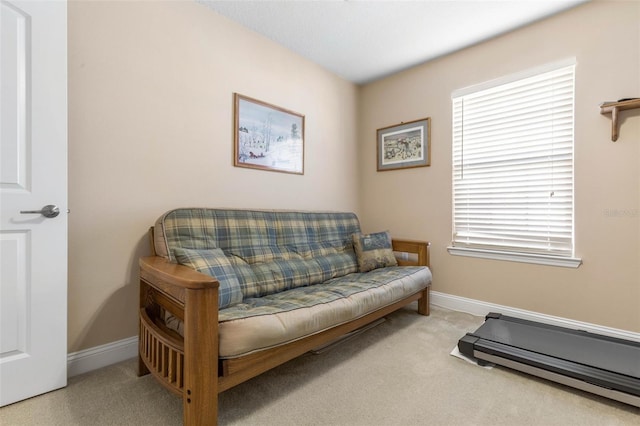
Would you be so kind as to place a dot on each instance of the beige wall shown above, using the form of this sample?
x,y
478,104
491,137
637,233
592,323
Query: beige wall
x,y
605,290
150,128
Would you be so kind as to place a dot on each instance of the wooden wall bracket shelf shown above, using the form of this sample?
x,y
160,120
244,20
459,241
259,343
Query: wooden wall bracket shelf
x,y
614,108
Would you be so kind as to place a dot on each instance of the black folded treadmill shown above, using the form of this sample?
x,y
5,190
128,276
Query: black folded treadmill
x,y
602,365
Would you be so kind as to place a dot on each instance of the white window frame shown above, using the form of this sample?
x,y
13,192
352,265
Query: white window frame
x,y
472,234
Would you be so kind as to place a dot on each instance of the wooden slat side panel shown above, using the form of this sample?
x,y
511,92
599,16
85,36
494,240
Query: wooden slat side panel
x,y
158,351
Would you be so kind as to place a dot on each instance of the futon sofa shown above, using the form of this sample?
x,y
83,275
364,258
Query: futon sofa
x,y
229,294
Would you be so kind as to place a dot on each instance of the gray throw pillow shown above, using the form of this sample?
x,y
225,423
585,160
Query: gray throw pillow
x,y
374,251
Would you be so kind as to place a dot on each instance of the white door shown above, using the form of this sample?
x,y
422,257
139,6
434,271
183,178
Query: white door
x,y
33,174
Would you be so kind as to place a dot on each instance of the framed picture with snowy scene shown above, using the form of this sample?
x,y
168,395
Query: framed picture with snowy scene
x,y
267,137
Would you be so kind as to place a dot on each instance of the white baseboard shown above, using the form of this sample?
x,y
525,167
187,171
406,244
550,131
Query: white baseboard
x,y
480,308
101,356
111,353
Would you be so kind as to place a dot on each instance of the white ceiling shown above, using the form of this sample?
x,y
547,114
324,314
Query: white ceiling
x,y
364,40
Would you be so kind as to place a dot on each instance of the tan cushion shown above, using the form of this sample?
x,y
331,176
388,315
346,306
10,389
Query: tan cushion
x,y
373,251
266,322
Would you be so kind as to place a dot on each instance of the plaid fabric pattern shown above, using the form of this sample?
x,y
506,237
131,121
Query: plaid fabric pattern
x,y
270,251
215,263
304,297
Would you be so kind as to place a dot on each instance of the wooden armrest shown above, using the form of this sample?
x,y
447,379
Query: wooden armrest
x,y
156,269
421,248
173,278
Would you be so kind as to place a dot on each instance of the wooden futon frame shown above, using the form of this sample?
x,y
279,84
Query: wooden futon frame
x,y
189,366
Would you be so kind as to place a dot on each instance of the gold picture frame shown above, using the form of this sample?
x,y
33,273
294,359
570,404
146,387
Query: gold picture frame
x,y
267,137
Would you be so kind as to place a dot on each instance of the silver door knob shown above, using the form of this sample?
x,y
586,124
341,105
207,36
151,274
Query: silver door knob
x,y
47,211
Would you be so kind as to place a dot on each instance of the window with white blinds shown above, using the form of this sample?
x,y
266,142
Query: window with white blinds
x,y
513,165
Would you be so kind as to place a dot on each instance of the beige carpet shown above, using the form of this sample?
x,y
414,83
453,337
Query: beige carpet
x,y
398,373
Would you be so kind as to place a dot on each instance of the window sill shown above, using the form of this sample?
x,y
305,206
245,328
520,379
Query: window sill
x,y
540,259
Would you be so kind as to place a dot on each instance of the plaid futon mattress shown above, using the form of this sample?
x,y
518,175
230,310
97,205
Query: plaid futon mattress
x,y
271,251
296,272
265,322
